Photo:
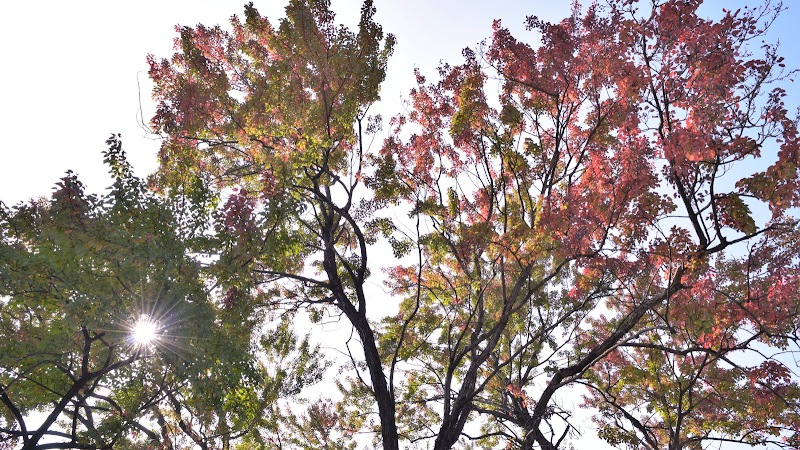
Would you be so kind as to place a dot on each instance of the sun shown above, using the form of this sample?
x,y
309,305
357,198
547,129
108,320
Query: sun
x,y
145,330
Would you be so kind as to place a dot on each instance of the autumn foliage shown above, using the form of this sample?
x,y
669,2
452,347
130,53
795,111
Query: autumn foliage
x,y
613,234
596,228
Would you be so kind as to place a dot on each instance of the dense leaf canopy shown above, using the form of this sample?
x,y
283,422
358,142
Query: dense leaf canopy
x,y
78,272
617,224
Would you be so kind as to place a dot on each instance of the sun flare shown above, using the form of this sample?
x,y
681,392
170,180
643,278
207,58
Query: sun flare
x,y
144,332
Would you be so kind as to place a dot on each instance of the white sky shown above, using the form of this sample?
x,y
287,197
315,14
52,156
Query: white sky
x,y
73,72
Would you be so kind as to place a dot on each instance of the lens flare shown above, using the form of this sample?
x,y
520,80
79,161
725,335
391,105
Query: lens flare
x,y
145,330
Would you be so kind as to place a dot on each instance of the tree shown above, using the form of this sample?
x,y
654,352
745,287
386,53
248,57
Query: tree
x,y
593,225
558,192
289,148
79,276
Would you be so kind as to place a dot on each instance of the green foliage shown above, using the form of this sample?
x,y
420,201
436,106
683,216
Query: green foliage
x,y
77,272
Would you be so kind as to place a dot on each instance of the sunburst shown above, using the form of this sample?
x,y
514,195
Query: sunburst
x,y
145,331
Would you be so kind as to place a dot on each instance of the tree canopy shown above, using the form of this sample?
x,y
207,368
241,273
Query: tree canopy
x,y
616,224
79,274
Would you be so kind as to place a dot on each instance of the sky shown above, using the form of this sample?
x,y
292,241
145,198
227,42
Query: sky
x,y
74,72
